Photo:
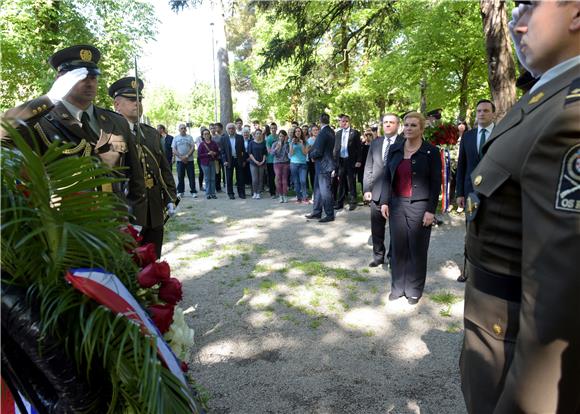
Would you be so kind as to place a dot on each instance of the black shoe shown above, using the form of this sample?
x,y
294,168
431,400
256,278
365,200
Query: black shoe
x,y
412,300
375,263
326,219
313,216
214,196
351,207
338,207
242,196
393,297
232,197
462,278
208,197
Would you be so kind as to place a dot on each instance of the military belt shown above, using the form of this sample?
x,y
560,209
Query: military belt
x,y
501,286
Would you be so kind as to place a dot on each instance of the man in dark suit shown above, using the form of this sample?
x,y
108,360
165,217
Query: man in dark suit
x,y
373,183
322,154
166,141
470,152
347,155
521,347
160,197
233,155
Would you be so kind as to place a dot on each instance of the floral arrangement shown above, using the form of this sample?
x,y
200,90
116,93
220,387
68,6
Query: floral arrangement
x,y
443,134
160,293
54,221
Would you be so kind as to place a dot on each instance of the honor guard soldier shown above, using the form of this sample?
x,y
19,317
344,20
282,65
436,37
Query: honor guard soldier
x,y
67,114
160,187
521,350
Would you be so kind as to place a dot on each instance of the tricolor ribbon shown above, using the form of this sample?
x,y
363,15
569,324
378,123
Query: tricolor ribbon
x,y
9,405
445,174
109,291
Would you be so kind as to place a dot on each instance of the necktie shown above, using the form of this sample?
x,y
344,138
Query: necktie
x,y
85,121
481,141
386,154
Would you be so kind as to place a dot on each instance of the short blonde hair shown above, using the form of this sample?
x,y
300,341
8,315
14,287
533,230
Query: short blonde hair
x,y
418,116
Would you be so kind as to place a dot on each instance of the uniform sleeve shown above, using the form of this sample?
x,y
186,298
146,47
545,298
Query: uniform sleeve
x,y
545,372
23,117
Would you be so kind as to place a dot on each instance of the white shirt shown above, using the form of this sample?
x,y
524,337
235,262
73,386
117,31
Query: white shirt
x,y
387,142
77,113
344,143
233,146
488,130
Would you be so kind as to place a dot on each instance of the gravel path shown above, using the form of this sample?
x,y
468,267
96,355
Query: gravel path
x,y
289,318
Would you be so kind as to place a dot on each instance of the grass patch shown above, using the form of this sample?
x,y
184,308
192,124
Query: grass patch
x,y
260,268
453,328
315,323
246,291
202,254
445,312
365,270
267,284
445,298
259,249
374,289
369,333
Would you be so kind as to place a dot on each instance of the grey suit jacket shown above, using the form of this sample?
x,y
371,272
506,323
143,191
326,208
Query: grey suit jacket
x,y
375,168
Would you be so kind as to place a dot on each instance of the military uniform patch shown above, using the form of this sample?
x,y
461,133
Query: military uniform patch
x,y
573,93
568,194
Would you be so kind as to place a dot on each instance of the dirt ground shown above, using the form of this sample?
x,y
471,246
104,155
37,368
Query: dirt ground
x,y
288,318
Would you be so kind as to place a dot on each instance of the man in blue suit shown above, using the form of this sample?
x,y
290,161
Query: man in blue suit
x,y
322,154
470,152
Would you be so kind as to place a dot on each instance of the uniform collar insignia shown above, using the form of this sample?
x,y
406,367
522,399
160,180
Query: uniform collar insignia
x,y
536,98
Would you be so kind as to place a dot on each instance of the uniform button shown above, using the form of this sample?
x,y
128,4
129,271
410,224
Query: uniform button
x,y
497,329
34,112
478,180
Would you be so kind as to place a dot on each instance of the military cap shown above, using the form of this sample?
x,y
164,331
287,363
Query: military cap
x,y
435,113
74,57
126,87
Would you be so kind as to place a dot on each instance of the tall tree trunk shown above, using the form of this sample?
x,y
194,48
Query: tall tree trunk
x,y
501,70
225,84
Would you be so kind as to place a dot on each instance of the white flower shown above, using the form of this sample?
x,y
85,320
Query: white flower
x,y
180,336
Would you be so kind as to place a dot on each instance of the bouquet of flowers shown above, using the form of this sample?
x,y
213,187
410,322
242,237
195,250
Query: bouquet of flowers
x,y
442,135
58,231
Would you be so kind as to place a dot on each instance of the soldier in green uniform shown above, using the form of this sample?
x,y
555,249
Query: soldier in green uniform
x,y
67,113
521,350
161,194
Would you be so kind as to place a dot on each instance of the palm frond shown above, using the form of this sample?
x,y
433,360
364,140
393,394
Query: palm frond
x,y
52,220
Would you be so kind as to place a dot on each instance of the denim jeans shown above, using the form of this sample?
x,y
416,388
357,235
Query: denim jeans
x,y
181,170
209,177
298,173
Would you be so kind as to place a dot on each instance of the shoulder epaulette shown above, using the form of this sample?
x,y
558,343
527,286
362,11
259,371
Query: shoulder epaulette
x,y
573,92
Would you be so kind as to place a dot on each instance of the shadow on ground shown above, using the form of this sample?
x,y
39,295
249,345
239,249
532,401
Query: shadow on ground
x,y
289,319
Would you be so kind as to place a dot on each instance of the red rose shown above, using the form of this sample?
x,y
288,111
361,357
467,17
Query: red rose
x,y
184,366
144,255
152,274
132,231
162,316
170,291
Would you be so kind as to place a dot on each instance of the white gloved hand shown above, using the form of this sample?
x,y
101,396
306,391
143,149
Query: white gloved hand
x,y
63,84
170,209
517,14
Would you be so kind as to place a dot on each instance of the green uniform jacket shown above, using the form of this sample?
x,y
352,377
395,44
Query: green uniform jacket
x,y
40,123
521,353
149,212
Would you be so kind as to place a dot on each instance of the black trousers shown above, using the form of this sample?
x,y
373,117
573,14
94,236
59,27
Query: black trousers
x,y
218,176
311,175
271,178
200,175
153,235
239,178
346,182
410,241
378,224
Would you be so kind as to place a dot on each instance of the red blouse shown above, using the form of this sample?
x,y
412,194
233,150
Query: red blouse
x,y
402,186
